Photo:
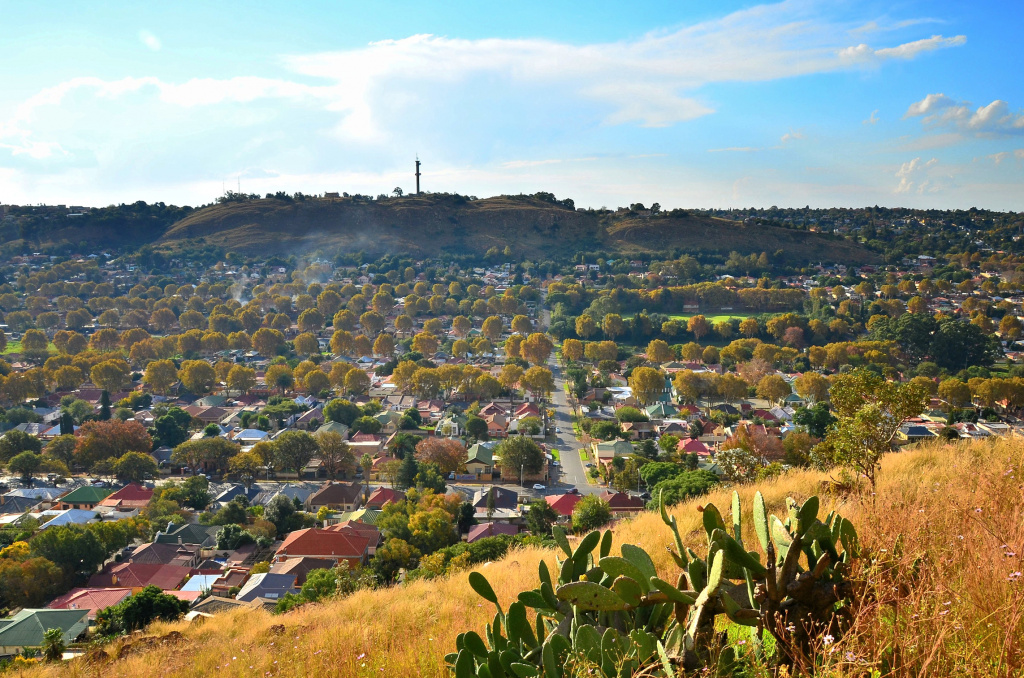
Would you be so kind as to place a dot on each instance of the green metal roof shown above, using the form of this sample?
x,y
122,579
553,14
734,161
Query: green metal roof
x,y
26,628
480,453
86,494
363,515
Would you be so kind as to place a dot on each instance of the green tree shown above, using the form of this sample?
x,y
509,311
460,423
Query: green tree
x,y
590,513
139,610
870,411
519,455
53,645
407,472
134,467
14,443
294,449
540,517
682,486
73,548
26,465
320,584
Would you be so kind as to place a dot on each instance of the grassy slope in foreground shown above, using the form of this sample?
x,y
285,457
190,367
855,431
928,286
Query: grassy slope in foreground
x,y
957,508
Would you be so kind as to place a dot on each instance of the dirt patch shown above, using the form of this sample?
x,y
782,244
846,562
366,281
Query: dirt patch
x,y
146,643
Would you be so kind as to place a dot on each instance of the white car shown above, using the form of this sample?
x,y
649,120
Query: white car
x,y
558,430
539,487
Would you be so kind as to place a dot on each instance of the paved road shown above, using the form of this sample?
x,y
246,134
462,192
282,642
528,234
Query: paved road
x,y
571,473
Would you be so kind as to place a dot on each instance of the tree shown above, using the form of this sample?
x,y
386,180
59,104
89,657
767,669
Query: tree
x,y
658,351
812,386
197,376
356,382
536,348
425,343
816,419
591,512
15,442
99,440
294,449
281,512
519,455
335,453
160,375
682,486
62,449
241,379
538,381
26,464
870,411
407,472
139,610
53,645
492,328
111,375
73,548
955,392
342,411
699,326
572,349
367,425
540,517
134,467
247,465
448,454
773,388
210,453
267,341
647,384
35,342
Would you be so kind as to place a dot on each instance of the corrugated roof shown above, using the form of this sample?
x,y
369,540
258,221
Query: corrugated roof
x,y
26,628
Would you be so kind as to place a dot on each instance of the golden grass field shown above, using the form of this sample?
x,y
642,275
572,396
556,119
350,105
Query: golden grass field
x,y
945,534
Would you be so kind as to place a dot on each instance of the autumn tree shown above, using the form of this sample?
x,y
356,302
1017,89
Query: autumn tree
x,y
773,388
613,326
241,379
538,381
306,344
266,341
585,326
492,328
572,349
100,440
699,326
111,375
197,376
811,386
448,454
647,384
536,348
658,351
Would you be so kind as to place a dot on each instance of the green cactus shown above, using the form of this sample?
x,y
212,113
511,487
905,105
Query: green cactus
x,y
611,615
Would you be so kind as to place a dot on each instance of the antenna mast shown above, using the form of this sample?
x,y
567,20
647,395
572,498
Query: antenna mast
x,y
417,175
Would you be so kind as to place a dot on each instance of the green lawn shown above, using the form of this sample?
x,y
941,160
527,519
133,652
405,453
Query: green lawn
x,y
712,318
15,347
556,454
584,455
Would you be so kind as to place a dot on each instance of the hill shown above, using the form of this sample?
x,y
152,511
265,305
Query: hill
x,y
430,224
943,537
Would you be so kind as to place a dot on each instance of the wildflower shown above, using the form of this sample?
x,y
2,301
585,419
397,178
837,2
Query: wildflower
x,y
944,613
361,656
1014,576
977,510
828,640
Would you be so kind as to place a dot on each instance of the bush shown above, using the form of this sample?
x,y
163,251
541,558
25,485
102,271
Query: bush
x,y
137,611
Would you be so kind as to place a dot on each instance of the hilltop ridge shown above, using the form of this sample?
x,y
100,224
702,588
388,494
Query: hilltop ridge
x,y
428,225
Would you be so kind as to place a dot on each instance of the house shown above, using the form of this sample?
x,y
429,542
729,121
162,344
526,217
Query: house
x,y
334,427
85,497
91,600
207,415
27,628
15,505
638,430
336,497
250,436
131,496
310,419
184,555
504,498
661,411
691,446
300,567
383,495
563,504
480,460
483,530
607,450
370,532
191,533
267,585
138,576
620,502
56,518
329,544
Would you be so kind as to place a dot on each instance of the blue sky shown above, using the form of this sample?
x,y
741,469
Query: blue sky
x,y
686,104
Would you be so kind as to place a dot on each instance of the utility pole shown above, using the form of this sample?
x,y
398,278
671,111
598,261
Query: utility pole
x,y
417,175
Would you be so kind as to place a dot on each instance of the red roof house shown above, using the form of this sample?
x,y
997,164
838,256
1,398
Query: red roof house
x,y
620,502
563,503
137,576
478,532
93,600
383,495
329,544
131,496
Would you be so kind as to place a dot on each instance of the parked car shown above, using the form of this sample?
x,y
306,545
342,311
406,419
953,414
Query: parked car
x,y
574,490
539,487
558,430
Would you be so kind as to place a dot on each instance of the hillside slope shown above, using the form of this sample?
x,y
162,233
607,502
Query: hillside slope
x,y
944,530
428,225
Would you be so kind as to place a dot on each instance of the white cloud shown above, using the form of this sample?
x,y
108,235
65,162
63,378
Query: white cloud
x,y
873,119
791,136
916,175
998,158
149,40
735,149
864,53
995,119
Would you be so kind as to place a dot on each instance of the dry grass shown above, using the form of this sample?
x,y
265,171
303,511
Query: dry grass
x,y
945,534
